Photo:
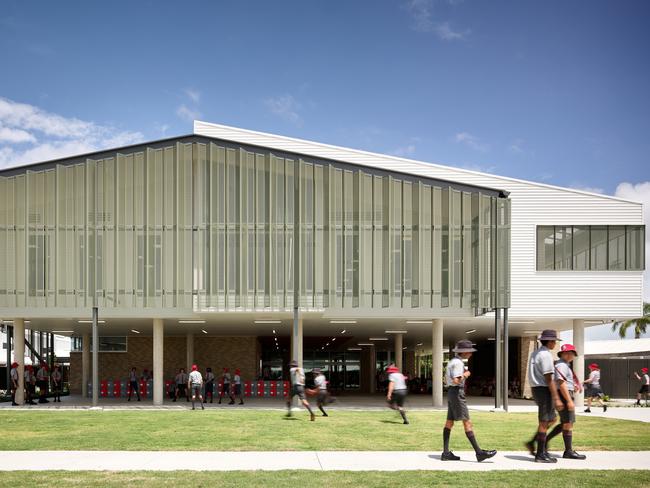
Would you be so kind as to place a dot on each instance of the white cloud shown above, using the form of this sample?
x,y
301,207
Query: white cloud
x,y
285,106
186,113
640,192
516,146
29,134
423,20
470,141
15,136
193,95
587,188
407,150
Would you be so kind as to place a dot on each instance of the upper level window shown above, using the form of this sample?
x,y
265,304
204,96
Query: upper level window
x,y
591,247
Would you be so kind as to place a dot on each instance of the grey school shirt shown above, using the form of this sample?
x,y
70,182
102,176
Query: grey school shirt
x,y
399,383
594,378
455,368
540,364
297,376
564,373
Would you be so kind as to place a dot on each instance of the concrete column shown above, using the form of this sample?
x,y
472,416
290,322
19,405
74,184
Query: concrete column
x,y
19,357
579,361
158,341
373,370
296,337
398,352
85,364
189,348
436,363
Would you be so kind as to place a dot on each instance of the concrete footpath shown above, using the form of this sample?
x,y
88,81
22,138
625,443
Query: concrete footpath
x,y
303,460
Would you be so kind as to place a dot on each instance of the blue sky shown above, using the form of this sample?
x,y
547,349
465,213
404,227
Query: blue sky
x,y
550,91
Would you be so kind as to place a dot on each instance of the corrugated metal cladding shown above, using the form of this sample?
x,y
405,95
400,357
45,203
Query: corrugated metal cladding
x,y
534,293
205,226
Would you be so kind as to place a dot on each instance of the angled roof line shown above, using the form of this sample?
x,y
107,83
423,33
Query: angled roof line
x,y
424,164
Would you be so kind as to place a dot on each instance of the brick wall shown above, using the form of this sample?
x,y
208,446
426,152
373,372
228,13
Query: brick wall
x,y
216,352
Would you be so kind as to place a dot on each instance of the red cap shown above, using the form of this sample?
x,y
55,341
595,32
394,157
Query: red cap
x,y
14,364
225,370
392,369
568,348
644,370
30,367
194,367
594,366
237,371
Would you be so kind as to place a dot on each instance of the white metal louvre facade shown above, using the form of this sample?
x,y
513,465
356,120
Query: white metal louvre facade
x,y
544,294
205,225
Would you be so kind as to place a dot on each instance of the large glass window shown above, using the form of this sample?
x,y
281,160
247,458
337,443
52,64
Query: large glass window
x,y
596,248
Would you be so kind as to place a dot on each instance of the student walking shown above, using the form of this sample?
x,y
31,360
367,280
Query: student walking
x,y
593,389
645,386
541,375
13,374
397,391
238,389
456,375
566,382
209,384
181,385
320,382
195,383
43,381
57,384
297,375
133,384
225,380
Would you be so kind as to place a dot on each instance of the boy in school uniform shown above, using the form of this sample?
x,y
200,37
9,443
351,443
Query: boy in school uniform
x,y
397,391
541,375
456,375
645,386
181,385
43,381
566,384
30,385
133,384
593,389
195,383
209,384
297,375
238,389
320,382
57,383
225,379
13,374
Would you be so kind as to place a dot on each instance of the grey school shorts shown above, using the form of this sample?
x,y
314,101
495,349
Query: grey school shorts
x,y
567,415
398,397
298,390
196,390
544,401
456,404
593,392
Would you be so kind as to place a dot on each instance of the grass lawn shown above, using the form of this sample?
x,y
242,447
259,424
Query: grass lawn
x,y
251,430
627,479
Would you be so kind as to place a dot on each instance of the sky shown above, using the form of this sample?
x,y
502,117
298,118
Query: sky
x,y
551,91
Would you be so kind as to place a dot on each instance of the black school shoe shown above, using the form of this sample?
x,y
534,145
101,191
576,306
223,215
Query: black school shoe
x,y
573,455
449,456
587,410
545,458
530,445
604,408
483,455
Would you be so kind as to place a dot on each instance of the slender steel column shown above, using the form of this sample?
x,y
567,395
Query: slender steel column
x,y
498,364
506,379
19,357
95,359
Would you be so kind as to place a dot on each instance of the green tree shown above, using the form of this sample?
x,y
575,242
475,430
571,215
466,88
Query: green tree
x,y
640,324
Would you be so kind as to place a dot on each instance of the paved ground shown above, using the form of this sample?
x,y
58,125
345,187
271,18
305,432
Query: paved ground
x,y
304,460
349,402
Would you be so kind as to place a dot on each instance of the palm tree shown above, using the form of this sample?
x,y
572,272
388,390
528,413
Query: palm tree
x,y
640,324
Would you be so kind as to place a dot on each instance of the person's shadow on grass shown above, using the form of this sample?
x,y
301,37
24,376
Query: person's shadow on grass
x,y
392,421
